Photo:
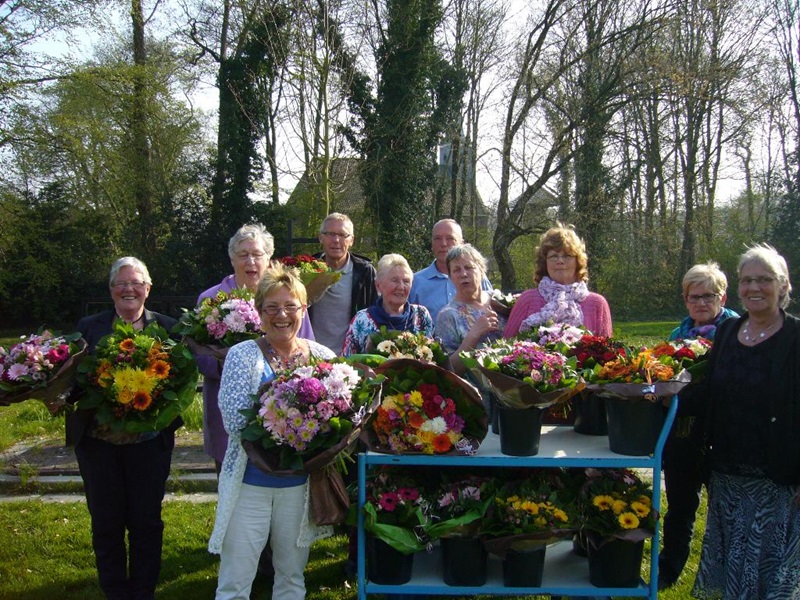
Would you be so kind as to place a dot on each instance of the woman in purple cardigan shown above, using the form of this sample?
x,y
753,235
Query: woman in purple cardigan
x,y
250,250
561,294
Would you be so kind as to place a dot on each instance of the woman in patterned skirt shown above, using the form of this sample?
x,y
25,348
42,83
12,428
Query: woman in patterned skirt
x,y
751,399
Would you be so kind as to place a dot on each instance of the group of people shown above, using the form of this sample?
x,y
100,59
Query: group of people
x,y
744,417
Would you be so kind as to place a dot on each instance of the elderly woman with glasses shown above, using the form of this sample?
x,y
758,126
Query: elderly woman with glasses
x,y
255,506
250,250
391,309
561,294
750,401
704,293
124,474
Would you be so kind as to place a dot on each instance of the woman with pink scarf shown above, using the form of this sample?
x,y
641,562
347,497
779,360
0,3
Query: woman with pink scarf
x,y
561,295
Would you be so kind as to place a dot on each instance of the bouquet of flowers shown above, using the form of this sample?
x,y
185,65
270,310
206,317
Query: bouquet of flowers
x,y
314,273
426,409
395,508
219,322
522,374
405,344
41,366
654,372
137,381
529,513
457,507
554,336
306,417
591,350
615,503
690,354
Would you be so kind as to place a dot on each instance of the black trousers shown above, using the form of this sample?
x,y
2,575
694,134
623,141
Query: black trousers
x,y
683,480
125,486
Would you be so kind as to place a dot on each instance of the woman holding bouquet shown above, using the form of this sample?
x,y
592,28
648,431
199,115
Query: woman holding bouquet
x,y
469,320
250,250
255,506
391,309
751,401
561,294
704,293
124,474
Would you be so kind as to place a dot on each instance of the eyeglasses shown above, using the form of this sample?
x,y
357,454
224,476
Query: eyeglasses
x,y
273,310
253,255
762,280
704,298
134,284
334,235
558,257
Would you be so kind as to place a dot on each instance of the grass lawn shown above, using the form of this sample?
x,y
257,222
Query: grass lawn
x,y
45,547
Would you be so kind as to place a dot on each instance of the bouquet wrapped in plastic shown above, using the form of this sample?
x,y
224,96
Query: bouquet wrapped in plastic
x,y
219,322
314,273
40,366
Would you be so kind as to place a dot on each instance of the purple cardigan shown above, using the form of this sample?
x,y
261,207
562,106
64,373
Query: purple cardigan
x,y
215,438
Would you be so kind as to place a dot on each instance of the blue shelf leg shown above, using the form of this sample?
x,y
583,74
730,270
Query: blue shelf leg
x,y
362,498
662,439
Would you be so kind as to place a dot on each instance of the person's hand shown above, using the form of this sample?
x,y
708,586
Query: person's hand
x,y
488,323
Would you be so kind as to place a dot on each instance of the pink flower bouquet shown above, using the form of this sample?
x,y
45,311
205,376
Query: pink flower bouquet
x,y
219,322
41,366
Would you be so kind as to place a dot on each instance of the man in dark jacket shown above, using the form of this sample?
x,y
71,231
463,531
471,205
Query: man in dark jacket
x,y
332,312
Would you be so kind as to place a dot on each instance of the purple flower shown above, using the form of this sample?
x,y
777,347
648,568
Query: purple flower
x,y
310,391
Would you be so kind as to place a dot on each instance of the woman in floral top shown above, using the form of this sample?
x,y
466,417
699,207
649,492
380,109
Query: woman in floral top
x,y
391,310
469,320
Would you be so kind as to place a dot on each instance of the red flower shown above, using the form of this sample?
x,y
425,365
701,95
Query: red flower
x,y
428,390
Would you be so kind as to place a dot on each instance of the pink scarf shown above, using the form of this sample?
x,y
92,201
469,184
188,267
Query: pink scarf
x,y
562,304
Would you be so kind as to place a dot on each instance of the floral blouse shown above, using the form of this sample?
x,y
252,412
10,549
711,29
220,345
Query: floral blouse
x,y
454,322
356,341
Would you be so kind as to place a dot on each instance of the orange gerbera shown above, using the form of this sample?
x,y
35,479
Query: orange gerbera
x,y
141,400
127,345
158,369
441,443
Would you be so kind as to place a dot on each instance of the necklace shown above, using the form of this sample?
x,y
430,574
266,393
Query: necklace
x,y
124,320
757,336
285,362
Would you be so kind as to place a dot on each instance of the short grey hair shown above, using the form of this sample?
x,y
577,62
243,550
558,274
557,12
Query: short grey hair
x,y
769,258
253,231
132,262
388,261
348,223
469,252
706,273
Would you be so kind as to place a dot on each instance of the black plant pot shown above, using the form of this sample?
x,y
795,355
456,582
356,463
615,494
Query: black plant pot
x,y
524,568
617,563
634,425
590,414
385,565
520,430
463,561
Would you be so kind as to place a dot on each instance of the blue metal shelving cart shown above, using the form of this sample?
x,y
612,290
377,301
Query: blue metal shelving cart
x,y
565,573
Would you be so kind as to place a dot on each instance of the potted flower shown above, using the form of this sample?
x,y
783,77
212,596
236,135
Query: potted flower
x,y
634,384
616,516
219,322
395,521
307,419
137,380
315,274
525,379
40,366
426,409
456,510
526,515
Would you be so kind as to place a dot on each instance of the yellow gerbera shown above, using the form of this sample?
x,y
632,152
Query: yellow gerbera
x,y
628,520
603,502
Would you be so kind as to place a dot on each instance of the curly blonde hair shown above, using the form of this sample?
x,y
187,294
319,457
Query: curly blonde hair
x,y
561,238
